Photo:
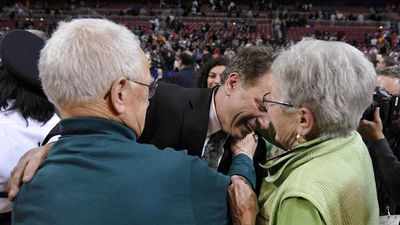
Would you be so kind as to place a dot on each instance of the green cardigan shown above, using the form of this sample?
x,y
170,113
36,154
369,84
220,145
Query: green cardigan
x,y
321,182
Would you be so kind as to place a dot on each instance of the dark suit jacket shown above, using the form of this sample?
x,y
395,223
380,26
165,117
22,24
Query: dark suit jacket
x,y
178,118
187,77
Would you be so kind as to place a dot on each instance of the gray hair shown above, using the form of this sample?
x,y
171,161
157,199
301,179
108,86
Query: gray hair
x,y
332,79
83,57
250,63
390,71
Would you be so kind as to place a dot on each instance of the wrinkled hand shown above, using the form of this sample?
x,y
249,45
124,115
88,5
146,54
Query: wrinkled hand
x,y
242,201
26,168
371,131
246,145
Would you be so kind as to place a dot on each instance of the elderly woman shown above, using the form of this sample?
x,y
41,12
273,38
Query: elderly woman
x,y
319,91
210,75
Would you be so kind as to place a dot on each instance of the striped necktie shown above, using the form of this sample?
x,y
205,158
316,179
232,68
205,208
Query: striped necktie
x,y
210,155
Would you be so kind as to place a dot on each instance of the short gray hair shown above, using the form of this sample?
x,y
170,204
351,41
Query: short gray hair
x,y
390,71
83,57
250,63
332,79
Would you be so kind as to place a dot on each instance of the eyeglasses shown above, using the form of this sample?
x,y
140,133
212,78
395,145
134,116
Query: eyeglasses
x,y
152,87
267,99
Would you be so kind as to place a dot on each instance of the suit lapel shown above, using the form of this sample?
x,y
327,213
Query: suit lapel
x,y
195,122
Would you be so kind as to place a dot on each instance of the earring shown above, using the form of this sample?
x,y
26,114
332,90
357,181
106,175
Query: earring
x,y
300,139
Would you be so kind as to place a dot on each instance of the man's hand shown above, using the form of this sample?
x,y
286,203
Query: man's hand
x,y
26,168
372,131
246,145
242,201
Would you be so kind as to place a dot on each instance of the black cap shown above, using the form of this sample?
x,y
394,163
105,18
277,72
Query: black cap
x,y
20,51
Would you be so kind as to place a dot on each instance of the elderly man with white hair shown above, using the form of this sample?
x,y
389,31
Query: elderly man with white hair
x,y
95,73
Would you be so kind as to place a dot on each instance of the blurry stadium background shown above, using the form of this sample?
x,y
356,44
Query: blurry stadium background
x,y
215,28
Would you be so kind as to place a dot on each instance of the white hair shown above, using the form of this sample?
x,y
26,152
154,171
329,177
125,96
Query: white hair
x,y
83,57
332,79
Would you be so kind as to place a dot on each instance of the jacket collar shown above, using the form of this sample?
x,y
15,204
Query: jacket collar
x,y
195,121
279,169
95,125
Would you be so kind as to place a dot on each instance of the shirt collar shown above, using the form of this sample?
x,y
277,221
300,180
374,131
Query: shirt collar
x,y
213,124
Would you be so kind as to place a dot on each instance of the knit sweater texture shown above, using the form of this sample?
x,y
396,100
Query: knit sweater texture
x,y
335,175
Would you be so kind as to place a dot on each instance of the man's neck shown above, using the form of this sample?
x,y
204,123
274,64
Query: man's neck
x,y
94,109
184,67
219,100
100,109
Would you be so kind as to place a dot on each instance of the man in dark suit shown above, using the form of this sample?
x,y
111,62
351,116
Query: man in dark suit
x,y
186,77
186,118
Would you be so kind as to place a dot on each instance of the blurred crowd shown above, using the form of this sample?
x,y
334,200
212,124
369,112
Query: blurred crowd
x,y
168,33
309,124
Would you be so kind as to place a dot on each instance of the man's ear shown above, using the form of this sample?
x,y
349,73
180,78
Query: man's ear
x,y
118,94
307,126
231,83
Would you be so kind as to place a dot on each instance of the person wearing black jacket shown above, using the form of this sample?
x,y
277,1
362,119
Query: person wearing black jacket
x,y
187,76
384,147
186,118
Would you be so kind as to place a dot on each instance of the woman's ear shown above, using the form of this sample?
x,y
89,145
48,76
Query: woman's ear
x,y
118,94
231,83
306,122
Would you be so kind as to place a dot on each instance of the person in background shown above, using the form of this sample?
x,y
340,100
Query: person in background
x,y
319,90
210,75
384,146
187,76
97,172
384,61
26,115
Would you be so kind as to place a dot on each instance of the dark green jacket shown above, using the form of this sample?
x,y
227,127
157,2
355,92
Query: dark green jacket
x,y
98,174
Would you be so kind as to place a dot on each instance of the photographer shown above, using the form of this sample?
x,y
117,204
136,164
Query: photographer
x,y
383,141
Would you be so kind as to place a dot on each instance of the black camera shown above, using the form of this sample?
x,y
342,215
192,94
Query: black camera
x,y
389,107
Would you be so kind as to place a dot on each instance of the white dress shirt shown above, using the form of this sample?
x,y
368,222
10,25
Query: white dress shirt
x,y
214,126
16,138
